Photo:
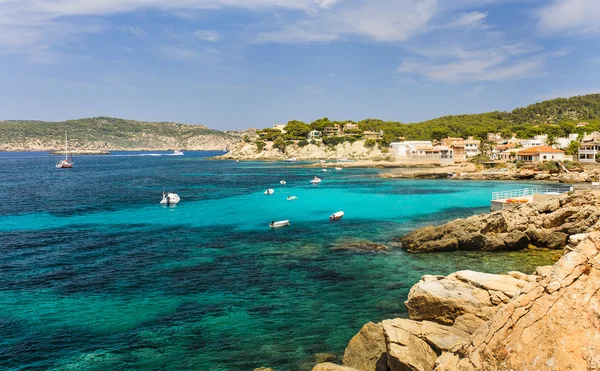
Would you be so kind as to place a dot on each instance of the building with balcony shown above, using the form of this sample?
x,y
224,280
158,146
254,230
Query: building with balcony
x,y
458,148
589,148
472,147
494,137
411,148
333,131
540,154
375,135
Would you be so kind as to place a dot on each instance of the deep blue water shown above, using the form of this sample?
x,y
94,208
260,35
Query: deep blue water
x,y
96,275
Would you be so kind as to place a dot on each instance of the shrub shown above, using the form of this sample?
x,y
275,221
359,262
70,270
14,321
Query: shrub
x,y
333,141
246,139
370,143
289,142
314,142
568,164
550,166
520,164
279,144
303,143
260,145
479,159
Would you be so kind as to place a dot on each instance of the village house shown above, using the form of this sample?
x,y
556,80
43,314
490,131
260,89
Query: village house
x,y
529,143
589,148
508,154
446,155
563,143
472,147
494,137
280,127
540,154
332,131
375,135
411,148
350,127
458,148
314,134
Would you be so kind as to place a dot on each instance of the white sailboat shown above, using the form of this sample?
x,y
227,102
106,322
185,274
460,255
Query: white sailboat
x,y
66,163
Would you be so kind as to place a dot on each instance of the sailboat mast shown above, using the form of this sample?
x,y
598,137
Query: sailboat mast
x,y
66,147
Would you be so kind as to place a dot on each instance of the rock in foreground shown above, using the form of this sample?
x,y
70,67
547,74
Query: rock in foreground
x,y
476,321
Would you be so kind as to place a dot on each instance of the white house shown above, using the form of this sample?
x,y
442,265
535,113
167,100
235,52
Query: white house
x,y
564,142
528,143
472,147
540,154
411,148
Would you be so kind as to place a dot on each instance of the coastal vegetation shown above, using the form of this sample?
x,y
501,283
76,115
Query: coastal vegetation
x,y
556,118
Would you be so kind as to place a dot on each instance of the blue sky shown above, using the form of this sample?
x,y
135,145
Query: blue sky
x,y
233,64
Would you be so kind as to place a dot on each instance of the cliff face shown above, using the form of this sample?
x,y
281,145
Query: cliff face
x,y
356,150
542,224
476,321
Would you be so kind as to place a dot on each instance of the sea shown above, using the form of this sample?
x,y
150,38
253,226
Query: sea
x,y
95,274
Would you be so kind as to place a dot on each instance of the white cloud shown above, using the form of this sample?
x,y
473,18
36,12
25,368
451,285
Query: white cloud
x,y
505,62
571,16
379,20
470,20
207,35
138,32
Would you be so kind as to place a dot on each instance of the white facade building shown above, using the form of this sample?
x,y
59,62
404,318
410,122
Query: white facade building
x,y
528,143
411,148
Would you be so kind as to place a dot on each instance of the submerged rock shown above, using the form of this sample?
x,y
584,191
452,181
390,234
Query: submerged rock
x,y
361,246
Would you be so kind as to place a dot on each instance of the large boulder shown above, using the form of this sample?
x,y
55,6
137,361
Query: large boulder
x,y
367,350
554,324
444,299
407,351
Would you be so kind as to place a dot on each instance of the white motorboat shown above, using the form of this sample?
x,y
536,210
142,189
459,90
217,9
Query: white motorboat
x,y
177,153
316,180
338,168
292,159
324,170
269,191
336,216
292,198
282,182
279,224
170,199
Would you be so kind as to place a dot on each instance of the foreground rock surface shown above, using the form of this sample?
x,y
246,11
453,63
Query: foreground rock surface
x,y
476,321
546,224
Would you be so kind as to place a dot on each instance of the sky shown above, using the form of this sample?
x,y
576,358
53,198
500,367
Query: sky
x,y
235,64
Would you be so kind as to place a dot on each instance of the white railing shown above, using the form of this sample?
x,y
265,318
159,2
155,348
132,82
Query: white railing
x,y
527,192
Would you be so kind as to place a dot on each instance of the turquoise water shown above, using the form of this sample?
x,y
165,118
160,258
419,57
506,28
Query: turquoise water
x,y
96,275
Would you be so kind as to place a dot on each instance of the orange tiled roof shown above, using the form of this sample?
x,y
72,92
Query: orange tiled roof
x,y
539,149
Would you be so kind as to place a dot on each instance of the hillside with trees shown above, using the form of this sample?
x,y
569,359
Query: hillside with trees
x,y
110,134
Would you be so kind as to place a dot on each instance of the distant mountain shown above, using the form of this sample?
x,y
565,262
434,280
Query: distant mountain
x,y
107,133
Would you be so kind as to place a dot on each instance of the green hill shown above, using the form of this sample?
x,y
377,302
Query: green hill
x,y
110,133
557,117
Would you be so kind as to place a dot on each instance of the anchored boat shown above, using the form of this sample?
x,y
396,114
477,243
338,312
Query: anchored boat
x,y
269,191
170,199
279,224
316,180
336,216
66,163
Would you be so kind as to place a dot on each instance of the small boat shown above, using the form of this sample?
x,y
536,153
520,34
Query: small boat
x,y
279,224
316,180
66,163
269,191
338,168
324,170
293,159
282,182
170,199
322,161
177,153
292,198
336,216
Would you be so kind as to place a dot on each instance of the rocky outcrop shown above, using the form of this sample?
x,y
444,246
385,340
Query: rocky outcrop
x,y
547,223
356,150
477,321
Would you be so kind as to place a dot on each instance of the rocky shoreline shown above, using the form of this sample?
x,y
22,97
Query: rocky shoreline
x,y
549,320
